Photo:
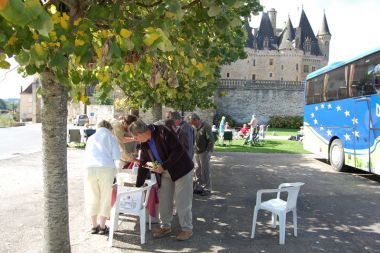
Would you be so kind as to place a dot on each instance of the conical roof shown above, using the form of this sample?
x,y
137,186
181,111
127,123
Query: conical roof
x,y
324,29
250,38
287,36
265,32
305,31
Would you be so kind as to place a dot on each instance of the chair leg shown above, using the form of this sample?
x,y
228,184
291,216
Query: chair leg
x,y
274,220
142,226
112,226
150,222
117,219
295,221
254,222
282,221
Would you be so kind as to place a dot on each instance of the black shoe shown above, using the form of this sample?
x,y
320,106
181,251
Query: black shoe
x,y
104,231
94,230
205,193
198,192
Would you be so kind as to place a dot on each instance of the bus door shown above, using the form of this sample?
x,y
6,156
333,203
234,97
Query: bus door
x,y
362,133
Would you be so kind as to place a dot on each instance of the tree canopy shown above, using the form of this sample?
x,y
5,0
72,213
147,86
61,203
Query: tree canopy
x,y
156,51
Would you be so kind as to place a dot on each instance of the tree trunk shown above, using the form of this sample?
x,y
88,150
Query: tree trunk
x,y
54,127
157,112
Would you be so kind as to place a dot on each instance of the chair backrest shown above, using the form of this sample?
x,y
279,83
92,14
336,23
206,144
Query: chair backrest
x,y
262,130
293,190
227,135
74,135
131,199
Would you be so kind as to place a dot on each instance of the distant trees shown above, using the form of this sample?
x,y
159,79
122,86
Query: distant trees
x,y
3,105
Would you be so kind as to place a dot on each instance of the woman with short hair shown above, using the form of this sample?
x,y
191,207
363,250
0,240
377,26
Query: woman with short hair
x,y
102,151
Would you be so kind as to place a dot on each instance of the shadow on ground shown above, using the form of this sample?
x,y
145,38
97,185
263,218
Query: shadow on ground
x,y
338,212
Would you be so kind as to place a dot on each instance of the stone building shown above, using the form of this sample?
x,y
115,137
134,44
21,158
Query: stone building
x,y
30,103
277,59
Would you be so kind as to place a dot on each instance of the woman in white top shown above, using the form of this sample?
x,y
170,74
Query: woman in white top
x,y
102,151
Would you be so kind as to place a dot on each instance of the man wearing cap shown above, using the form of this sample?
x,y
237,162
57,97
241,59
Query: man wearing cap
x,y
204,146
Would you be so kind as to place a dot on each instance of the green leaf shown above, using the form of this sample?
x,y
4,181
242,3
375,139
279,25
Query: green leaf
x,y
59,61
115,49
5,65
30,69
75,77
23,57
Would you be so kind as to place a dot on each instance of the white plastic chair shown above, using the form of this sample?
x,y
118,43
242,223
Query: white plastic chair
x,y
132,201
279,207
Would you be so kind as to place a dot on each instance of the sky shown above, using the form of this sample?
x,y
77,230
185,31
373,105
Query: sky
x,y
352,23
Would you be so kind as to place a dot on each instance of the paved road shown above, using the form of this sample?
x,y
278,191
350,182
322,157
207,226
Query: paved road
x,y
20,140
338,212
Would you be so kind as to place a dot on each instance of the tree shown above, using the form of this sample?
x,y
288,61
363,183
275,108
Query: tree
x,y
3,105
158,52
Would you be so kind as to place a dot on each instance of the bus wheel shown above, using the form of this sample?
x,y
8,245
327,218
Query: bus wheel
x,y
336,155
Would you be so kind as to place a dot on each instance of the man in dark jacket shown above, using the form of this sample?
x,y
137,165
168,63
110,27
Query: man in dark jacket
x,y
204,146
162,153
185,133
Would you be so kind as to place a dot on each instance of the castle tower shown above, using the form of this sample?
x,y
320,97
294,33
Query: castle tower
x,y
324,37
273,17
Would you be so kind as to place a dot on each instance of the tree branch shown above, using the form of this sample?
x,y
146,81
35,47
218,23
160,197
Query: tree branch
x,y
149,5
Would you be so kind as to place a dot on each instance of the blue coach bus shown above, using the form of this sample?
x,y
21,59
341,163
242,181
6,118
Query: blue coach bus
x,y
342,113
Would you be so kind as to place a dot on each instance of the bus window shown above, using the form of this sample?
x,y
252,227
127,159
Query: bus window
x,y
376,78
314,90
363,75
336,85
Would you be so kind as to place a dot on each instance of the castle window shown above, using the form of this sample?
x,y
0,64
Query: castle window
x,y
266,42
270,62
253,77
228,75
306,68
282,79
307,45
282,67
326,43
270,74
254,62
313,68
296,66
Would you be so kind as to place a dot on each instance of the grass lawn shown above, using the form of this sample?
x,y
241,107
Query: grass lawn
x,y
269,146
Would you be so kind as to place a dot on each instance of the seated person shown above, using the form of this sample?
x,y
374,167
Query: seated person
x,y
227,126
244,131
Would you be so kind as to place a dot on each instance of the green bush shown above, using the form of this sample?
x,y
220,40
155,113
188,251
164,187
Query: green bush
x,y
293,122
6,120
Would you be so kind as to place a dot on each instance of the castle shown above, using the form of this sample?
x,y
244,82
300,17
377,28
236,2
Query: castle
x,y
277,63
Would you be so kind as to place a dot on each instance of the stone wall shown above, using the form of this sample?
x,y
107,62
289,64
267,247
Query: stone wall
x,y
96,113
242,98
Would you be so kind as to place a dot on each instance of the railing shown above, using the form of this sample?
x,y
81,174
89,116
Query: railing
x,y
260,84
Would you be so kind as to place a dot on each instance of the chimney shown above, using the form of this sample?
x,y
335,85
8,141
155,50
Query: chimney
x,y
272,17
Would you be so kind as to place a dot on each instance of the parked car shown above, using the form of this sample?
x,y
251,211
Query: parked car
x,y
80,120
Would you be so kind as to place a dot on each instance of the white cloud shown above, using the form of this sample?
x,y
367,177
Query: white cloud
x,y
352,23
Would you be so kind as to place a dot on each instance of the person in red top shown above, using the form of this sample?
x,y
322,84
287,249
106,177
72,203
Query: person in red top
x,y
243,131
